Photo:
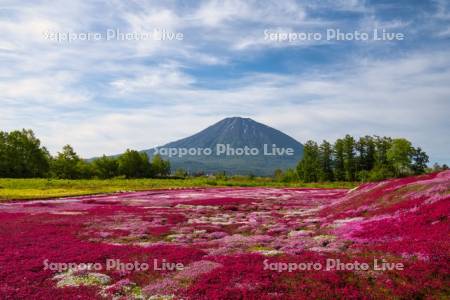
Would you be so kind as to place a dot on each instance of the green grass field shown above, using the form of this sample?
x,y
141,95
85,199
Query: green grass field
x,y
15,189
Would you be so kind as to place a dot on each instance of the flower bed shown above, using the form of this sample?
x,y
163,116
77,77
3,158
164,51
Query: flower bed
x,y
223,238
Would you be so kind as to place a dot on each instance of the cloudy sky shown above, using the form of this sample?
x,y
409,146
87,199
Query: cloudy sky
x,y
106,94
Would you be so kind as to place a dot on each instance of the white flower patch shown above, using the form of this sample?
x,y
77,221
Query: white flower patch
x,y
72,278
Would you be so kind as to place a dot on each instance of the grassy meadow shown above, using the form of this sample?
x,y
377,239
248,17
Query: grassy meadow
x,y
23,189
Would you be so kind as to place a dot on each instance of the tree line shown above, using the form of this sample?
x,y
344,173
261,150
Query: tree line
x,y
368,158
22,156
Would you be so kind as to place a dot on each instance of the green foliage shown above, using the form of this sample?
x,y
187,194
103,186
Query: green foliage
x,y
367,150
67,164
363,175
106,167
278,175
420,160
438,168
338,150
349,158
181,173
382,145
380,173
21,155
222,175
367,159
399,156
309,167
133,164
159,166
86,170
326,162
290,175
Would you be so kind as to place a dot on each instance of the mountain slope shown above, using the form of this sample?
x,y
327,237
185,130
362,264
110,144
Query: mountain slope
x,y
235,132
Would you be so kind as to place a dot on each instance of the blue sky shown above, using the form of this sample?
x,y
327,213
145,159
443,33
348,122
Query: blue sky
x,y
105,96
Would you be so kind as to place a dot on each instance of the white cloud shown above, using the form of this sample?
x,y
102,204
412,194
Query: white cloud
x,y
44,90
214,13
158,78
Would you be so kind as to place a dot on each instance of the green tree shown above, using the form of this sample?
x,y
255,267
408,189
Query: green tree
x,y
326,162
420,160
338,164
21,155
365,148
399,156
85,170
382,145
368,158
160,166
133,164
365,157
4,163
349,158
67,164
308,168
106,167
382,168
438,168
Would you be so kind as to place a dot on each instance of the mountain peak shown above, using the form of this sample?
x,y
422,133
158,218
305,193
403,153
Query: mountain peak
x,y
236,132
237,119
230,120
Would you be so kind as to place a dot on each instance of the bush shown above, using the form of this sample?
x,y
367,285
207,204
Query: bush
x,y
380,173
290,176
181,173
